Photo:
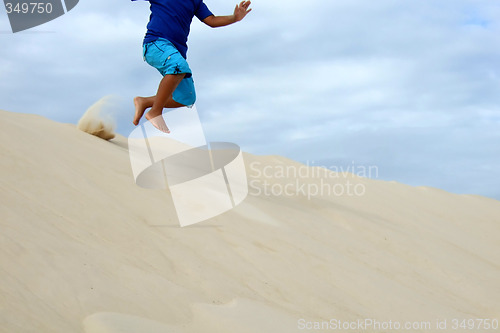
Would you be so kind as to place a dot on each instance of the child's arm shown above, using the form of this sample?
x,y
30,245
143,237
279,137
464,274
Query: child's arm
x,y
240,12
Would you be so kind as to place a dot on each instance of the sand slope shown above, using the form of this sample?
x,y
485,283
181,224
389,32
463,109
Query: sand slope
x,y
83,249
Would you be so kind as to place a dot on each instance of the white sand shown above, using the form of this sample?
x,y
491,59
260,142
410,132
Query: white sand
x,y
83,249
98,119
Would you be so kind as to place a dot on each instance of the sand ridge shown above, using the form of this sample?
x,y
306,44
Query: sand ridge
x,y
83,249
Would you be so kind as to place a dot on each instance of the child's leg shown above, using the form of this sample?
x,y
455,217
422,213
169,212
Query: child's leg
x,y
165,90
162,99
144,103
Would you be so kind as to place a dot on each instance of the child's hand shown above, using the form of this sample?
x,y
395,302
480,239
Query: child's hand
x,y
242,10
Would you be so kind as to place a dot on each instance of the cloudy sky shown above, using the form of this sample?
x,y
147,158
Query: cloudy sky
x,y
411,87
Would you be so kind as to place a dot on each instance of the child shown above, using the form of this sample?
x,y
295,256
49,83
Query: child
x,y
165,48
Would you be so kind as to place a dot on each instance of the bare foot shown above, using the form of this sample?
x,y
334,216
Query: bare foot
x,y
158,122
139,109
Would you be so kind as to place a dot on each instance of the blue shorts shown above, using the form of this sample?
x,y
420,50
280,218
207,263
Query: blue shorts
x,y
164,56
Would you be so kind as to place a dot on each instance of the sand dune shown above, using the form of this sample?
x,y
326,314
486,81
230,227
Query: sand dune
x,y
83,249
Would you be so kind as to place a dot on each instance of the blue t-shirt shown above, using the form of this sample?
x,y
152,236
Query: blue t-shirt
x,y
171,19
